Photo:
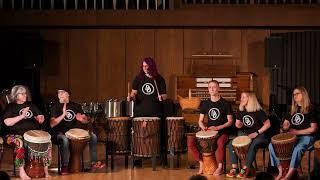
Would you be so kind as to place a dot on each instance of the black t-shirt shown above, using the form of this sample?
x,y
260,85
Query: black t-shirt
x,y
29,123
252,121
300,120
216,111
147,103
69,121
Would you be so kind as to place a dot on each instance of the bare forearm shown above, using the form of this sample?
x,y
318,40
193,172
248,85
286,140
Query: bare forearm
x,y
12,121
56,121
307,131
265,126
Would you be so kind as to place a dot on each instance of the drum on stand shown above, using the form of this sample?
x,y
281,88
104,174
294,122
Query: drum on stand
x,y
39,147
207,145
78,139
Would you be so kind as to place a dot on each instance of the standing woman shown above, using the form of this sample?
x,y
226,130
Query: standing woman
x,y
148,90
19,117
300,121
253,122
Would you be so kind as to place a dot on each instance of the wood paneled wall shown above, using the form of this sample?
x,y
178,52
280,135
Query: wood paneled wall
x,y
96,64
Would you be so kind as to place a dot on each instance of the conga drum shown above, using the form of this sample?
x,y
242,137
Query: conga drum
x,y
283,145
241,146
78,139
175,131
117,131
146,136
206,141
39,147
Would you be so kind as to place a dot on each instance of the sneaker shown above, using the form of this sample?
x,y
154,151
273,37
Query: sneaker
x,y
64,170
246,173
232,173
97,165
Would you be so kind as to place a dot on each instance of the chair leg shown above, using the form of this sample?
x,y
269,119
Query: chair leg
x,y
309,157
82,162
264,158
14,164
59,160
107,157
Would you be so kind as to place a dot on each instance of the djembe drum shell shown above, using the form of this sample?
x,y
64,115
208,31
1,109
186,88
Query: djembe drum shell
x,y
241,146
78,139
146,136
117,130
175,131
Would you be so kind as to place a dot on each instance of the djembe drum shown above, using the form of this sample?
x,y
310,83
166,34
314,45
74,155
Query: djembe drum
x,y
146,136
117,131
175,131
283,145
78,139
241,146
207,146
39,147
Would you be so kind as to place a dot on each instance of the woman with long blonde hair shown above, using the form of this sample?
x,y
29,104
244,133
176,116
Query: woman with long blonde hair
x,y
300,121
253,122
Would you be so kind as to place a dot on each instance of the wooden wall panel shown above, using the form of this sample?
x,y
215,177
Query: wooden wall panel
x,y
169,56
255,50
54,72
227,42
111,82
139,44
82,64
197,41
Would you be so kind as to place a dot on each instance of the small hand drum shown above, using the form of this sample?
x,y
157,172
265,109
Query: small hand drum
x,y
207,145
241,146
78,139
38,145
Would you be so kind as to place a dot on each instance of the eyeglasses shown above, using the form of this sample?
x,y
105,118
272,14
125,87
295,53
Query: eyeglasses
x,y
295,94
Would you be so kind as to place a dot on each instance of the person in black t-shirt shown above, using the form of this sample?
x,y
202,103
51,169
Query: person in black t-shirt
x,y
19,117
219,115
148,90
253,122
66,115
300,121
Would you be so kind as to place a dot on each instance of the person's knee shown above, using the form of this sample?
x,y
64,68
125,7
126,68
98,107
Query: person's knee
x,y
64,141
93,137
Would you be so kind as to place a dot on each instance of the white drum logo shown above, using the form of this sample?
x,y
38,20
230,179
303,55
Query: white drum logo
x,y
214,114
248,121
297,119
29,114
70,115
147,89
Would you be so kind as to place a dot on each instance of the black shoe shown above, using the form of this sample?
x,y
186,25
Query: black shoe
x,y
137,162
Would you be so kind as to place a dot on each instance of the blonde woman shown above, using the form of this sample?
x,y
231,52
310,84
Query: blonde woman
x,y
300,121
253,122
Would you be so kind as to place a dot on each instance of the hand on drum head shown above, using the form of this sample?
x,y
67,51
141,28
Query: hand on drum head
x,y
253,135
294,131
215,128
40,118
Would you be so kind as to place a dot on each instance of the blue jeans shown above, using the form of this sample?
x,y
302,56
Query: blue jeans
x,y
260,141
303,143
65,154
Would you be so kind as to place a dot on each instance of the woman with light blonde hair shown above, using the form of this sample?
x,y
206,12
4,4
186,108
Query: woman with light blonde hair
x,y
253,122
301,121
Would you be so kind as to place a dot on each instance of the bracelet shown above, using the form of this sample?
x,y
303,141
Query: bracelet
x,y
258,132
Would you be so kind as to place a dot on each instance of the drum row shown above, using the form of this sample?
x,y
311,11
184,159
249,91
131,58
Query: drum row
x,y
145,135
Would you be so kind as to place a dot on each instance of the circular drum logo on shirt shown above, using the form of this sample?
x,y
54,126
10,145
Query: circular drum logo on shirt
x,y
297,119
147,89
248,121
29,114
70,115
214,114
